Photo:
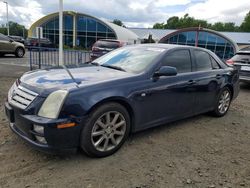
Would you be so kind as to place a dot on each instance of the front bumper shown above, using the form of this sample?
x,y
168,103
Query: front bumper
x,y
59,141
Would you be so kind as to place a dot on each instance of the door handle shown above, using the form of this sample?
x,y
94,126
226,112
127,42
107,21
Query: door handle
x,y
191,82
218,76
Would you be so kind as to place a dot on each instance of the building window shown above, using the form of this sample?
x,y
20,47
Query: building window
x,y
204,39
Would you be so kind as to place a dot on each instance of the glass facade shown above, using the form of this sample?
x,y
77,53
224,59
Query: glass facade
x,y
88,30
217,44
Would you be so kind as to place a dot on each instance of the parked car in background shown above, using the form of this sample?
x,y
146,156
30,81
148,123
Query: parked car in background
x,y
104,46
242,61
34,42
97,106
9,46
17,38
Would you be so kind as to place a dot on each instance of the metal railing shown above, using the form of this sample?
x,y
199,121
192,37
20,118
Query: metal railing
x,y
41,57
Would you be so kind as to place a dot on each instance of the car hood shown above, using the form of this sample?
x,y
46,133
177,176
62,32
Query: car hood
x,y
54,79
17,44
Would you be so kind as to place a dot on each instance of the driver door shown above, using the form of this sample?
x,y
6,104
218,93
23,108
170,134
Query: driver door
x,y
167,98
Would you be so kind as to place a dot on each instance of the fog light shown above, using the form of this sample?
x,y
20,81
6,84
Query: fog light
x,y
39,129
41,139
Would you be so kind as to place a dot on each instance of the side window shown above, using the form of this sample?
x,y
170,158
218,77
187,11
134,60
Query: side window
x,y
180,59
3,38
203,61
215,65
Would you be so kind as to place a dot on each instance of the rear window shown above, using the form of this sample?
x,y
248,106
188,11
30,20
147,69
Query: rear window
x,y
203,61
107,44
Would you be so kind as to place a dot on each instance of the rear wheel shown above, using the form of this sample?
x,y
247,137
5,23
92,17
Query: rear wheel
x,y
223,102
19,52
106,130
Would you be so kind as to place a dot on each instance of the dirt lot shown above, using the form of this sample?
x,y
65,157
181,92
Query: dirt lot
x,y
198,152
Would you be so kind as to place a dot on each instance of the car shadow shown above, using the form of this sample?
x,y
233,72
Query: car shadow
x,y
245,85
7,56
144,135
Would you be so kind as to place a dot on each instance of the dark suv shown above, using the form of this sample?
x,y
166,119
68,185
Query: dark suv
x,y
242,60
104,46
17,38
34,42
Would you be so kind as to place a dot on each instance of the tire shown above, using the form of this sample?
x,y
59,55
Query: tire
x,y
223,102
105,130
19,52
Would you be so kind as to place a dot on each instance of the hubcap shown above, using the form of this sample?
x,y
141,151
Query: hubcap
x,y
108,131
20,52
224,102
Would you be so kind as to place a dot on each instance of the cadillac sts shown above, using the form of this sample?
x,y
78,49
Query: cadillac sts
x,y
96,106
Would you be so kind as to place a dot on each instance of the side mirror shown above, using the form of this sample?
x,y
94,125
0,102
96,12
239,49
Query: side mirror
x,y
166,71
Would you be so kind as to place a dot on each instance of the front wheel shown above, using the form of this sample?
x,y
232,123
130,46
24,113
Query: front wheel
x,y
19,52
106,130
223,102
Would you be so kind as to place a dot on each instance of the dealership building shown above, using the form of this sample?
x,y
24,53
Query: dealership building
x,y
83,30
80,29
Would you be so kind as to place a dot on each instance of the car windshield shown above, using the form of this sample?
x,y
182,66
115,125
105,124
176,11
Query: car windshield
x,y
133,60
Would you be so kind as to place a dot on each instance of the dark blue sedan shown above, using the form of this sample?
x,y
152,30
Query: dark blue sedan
x,y
96,107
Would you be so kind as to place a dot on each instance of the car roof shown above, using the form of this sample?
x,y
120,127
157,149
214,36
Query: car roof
x,y
109,40
170,46
15,36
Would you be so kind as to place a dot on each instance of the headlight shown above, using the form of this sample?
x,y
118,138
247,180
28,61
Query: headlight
x,y
11,91
51,107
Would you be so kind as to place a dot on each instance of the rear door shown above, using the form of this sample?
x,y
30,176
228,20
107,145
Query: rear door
x,y
209,76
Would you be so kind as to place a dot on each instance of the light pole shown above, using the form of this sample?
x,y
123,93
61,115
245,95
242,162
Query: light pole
x,y
61,32
7,16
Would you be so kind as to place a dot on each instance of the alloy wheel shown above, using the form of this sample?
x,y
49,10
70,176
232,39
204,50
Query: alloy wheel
x,y
20,52
224,102
108,131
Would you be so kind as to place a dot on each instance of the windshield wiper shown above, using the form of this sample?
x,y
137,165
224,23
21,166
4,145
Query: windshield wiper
x,y
92,63
114,67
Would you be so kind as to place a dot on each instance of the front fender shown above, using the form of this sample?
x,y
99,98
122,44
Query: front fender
x,y
81,103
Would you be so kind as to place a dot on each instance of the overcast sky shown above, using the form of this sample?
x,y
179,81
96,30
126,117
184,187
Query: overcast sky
x,y
133,13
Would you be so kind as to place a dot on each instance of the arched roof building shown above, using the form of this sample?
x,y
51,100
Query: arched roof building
x,y
80,29
215,41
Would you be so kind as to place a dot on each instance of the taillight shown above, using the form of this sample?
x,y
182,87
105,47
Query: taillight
x,y
230,62
120,44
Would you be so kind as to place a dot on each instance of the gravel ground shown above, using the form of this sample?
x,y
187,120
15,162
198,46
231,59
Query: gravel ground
x,y
202,151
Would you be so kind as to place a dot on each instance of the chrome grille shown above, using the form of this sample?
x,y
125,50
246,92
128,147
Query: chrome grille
x,y
21,97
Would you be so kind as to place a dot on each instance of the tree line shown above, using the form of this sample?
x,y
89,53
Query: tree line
x,y
175,22
15,29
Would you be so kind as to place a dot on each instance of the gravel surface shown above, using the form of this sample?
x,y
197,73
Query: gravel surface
x,y
202,151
